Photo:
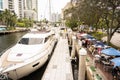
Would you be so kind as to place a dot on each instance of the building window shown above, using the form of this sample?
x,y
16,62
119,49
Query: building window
x,y
1,4
10,4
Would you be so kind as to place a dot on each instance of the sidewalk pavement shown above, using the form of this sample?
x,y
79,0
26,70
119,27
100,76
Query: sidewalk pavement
x,y
115,39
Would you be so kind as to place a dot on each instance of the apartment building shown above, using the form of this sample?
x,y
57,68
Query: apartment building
x,y
22,8
2,5
30,9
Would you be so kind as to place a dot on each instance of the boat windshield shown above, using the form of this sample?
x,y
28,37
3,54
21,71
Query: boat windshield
x,y
31,41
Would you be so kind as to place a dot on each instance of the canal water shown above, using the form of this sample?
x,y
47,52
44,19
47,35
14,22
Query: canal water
x,y
7,41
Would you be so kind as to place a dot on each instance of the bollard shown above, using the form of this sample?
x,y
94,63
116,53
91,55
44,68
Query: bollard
x,y
70,37
73,47
80,43
78,46
82,65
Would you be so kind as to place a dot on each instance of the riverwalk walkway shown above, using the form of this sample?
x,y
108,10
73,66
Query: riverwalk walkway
x,y
59,67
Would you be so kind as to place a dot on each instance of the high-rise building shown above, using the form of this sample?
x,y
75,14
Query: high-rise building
x,y
3,5
15,6
22,8
30,9
67,6
55,17
18,7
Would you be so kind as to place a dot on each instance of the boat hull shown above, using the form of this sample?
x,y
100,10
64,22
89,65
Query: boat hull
x,y
19,64
27,69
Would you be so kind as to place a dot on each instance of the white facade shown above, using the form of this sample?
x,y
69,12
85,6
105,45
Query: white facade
x,y
22,8
30,9
3,6
55,17
14,6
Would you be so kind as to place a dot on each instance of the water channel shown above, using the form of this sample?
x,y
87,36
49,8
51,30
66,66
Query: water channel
x,y
7,41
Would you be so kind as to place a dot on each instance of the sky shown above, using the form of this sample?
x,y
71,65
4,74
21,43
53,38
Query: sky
x,y
56,6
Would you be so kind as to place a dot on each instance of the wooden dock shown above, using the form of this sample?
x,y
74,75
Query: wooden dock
x,y
59,67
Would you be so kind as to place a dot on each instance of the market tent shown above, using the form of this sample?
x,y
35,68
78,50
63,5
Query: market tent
x,y
116,61
100,45
111,52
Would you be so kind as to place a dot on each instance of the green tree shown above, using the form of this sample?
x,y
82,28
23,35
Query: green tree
x,y
111,16
25,23
9,18
85,11
98,13
71,23
1,18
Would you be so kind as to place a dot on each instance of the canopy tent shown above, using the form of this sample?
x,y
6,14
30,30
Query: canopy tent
x,y
91,39
116,61
83,34
111,52
99,44
86,36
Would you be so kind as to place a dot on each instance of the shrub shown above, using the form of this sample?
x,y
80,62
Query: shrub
x,y
19,24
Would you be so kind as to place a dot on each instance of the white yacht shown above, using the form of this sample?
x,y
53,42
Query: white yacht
x,y
29,54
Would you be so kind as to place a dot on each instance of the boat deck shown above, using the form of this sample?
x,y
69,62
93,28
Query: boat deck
x,y
59,67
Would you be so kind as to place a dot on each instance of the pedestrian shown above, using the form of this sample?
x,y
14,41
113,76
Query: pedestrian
x,y
99,50
83,42
115,72
96,59
86,43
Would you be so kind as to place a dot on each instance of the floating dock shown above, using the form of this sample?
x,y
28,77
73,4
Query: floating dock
x,y
59,67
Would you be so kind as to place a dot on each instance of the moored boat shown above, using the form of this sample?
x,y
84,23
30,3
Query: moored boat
x,y
29,54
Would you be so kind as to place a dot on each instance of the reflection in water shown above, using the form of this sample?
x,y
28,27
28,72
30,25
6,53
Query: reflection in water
x,y
8,40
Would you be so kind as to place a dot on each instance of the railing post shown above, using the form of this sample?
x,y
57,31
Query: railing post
x,y
70,37
82,65
73,47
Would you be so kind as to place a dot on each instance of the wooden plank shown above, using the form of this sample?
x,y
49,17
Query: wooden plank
x,y
59,67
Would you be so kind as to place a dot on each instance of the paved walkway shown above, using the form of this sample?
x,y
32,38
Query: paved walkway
x,y
59,67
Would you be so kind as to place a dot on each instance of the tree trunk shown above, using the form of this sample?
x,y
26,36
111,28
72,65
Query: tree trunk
x,y
110,28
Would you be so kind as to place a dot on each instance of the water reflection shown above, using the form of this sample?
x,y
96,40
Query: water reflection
x,y
10,39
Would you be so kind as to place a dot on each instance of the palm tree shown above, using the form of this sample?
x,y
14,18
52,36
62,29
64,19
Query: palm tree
x,y
9,18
